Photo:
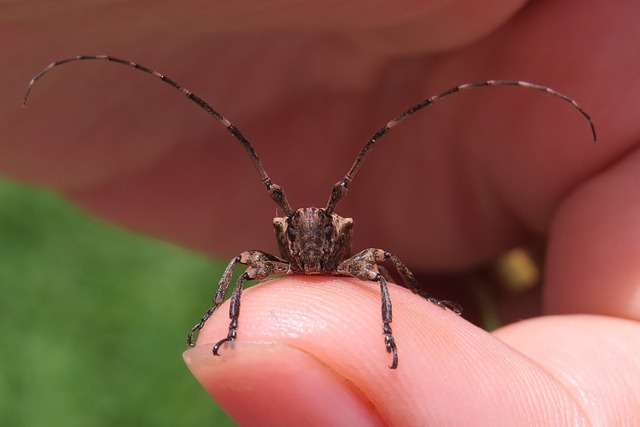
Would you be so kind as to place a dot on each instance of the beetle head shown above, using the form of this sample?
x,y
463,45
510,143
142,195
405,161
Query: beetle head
x,y
313,241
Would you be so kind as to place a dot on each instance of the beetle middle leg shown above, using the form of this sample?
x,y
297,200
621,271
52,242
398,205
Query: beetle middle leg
x,y
414,285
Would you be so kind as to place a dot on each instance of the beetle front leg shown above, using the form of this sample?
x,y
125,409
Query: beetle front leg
x,y
363,266
260,262
390,342
218,298
234,311
259,269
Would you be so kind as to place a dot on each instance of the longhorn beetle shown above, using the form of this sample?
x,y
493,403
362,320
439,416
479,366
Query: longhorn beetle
x,y
313,240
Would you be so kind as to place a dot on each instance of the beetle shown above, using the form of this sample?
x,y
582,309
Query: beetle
x,y
313,241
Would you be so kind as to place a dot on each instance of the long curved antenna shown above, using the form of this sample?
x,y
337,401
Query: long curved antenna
x,y
275,191
339,190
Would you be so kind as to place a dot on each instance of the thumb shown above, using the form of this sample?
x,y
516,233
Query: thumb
x,y
310,351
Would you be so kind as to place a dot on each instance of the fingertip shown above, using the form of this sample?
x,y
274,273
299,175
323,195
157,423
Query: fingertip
x,y
277,384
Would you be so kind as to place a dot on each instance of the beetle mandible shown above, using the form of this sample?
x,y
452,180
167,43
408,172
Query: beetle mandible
x,y
313,240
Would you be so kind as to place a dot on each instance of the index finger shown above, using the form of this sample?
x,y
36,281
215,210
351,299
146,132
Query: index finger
x,y
310,350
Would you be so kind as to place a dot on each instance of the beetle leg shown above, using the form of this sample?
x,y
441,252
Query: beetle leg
x,y
261,265
363,266
415,287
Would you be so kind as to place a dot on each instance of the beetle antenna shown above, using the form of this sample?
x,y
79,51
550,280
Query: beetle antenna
x,y
339,190
275,191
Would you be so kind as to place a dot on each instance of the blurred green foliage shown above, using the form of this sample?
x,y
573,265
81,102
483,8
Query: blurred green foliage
x,y
93,320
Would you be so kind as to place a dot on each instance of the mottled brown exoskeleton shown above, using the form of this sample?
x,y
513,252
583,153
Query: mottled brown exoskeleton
x,y
314,240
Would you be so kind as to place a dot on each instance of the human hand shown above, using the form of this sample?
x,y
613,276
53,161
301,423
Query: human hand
x,y
479,179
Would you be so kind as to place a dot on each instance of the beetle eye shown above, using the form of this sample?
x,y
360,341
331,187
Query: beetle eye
x,y
328,229
291,232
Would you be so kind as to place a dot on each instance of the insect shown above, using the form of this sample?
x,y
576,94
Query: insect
x,y
313,240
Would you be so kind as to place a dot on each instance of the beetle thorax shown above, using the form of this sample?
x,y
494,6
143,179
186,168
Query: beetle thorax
x,y
314,241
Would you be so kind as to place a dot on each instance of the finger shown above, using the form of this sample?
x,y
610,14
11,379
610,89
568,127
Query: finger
x,y
328,331
594,249
593,358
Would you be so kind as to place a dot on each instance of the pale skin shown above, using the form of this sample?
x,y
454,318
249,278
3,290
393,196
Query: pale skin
x,y
480,173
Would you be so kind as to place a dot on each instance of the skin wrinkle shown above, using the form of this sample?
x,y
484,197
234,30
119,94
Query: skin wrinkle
x,y
559,349
548,376
569,392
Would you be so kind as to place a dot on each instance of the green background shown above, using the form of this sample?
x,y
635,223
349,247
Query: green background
x,y
94,319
